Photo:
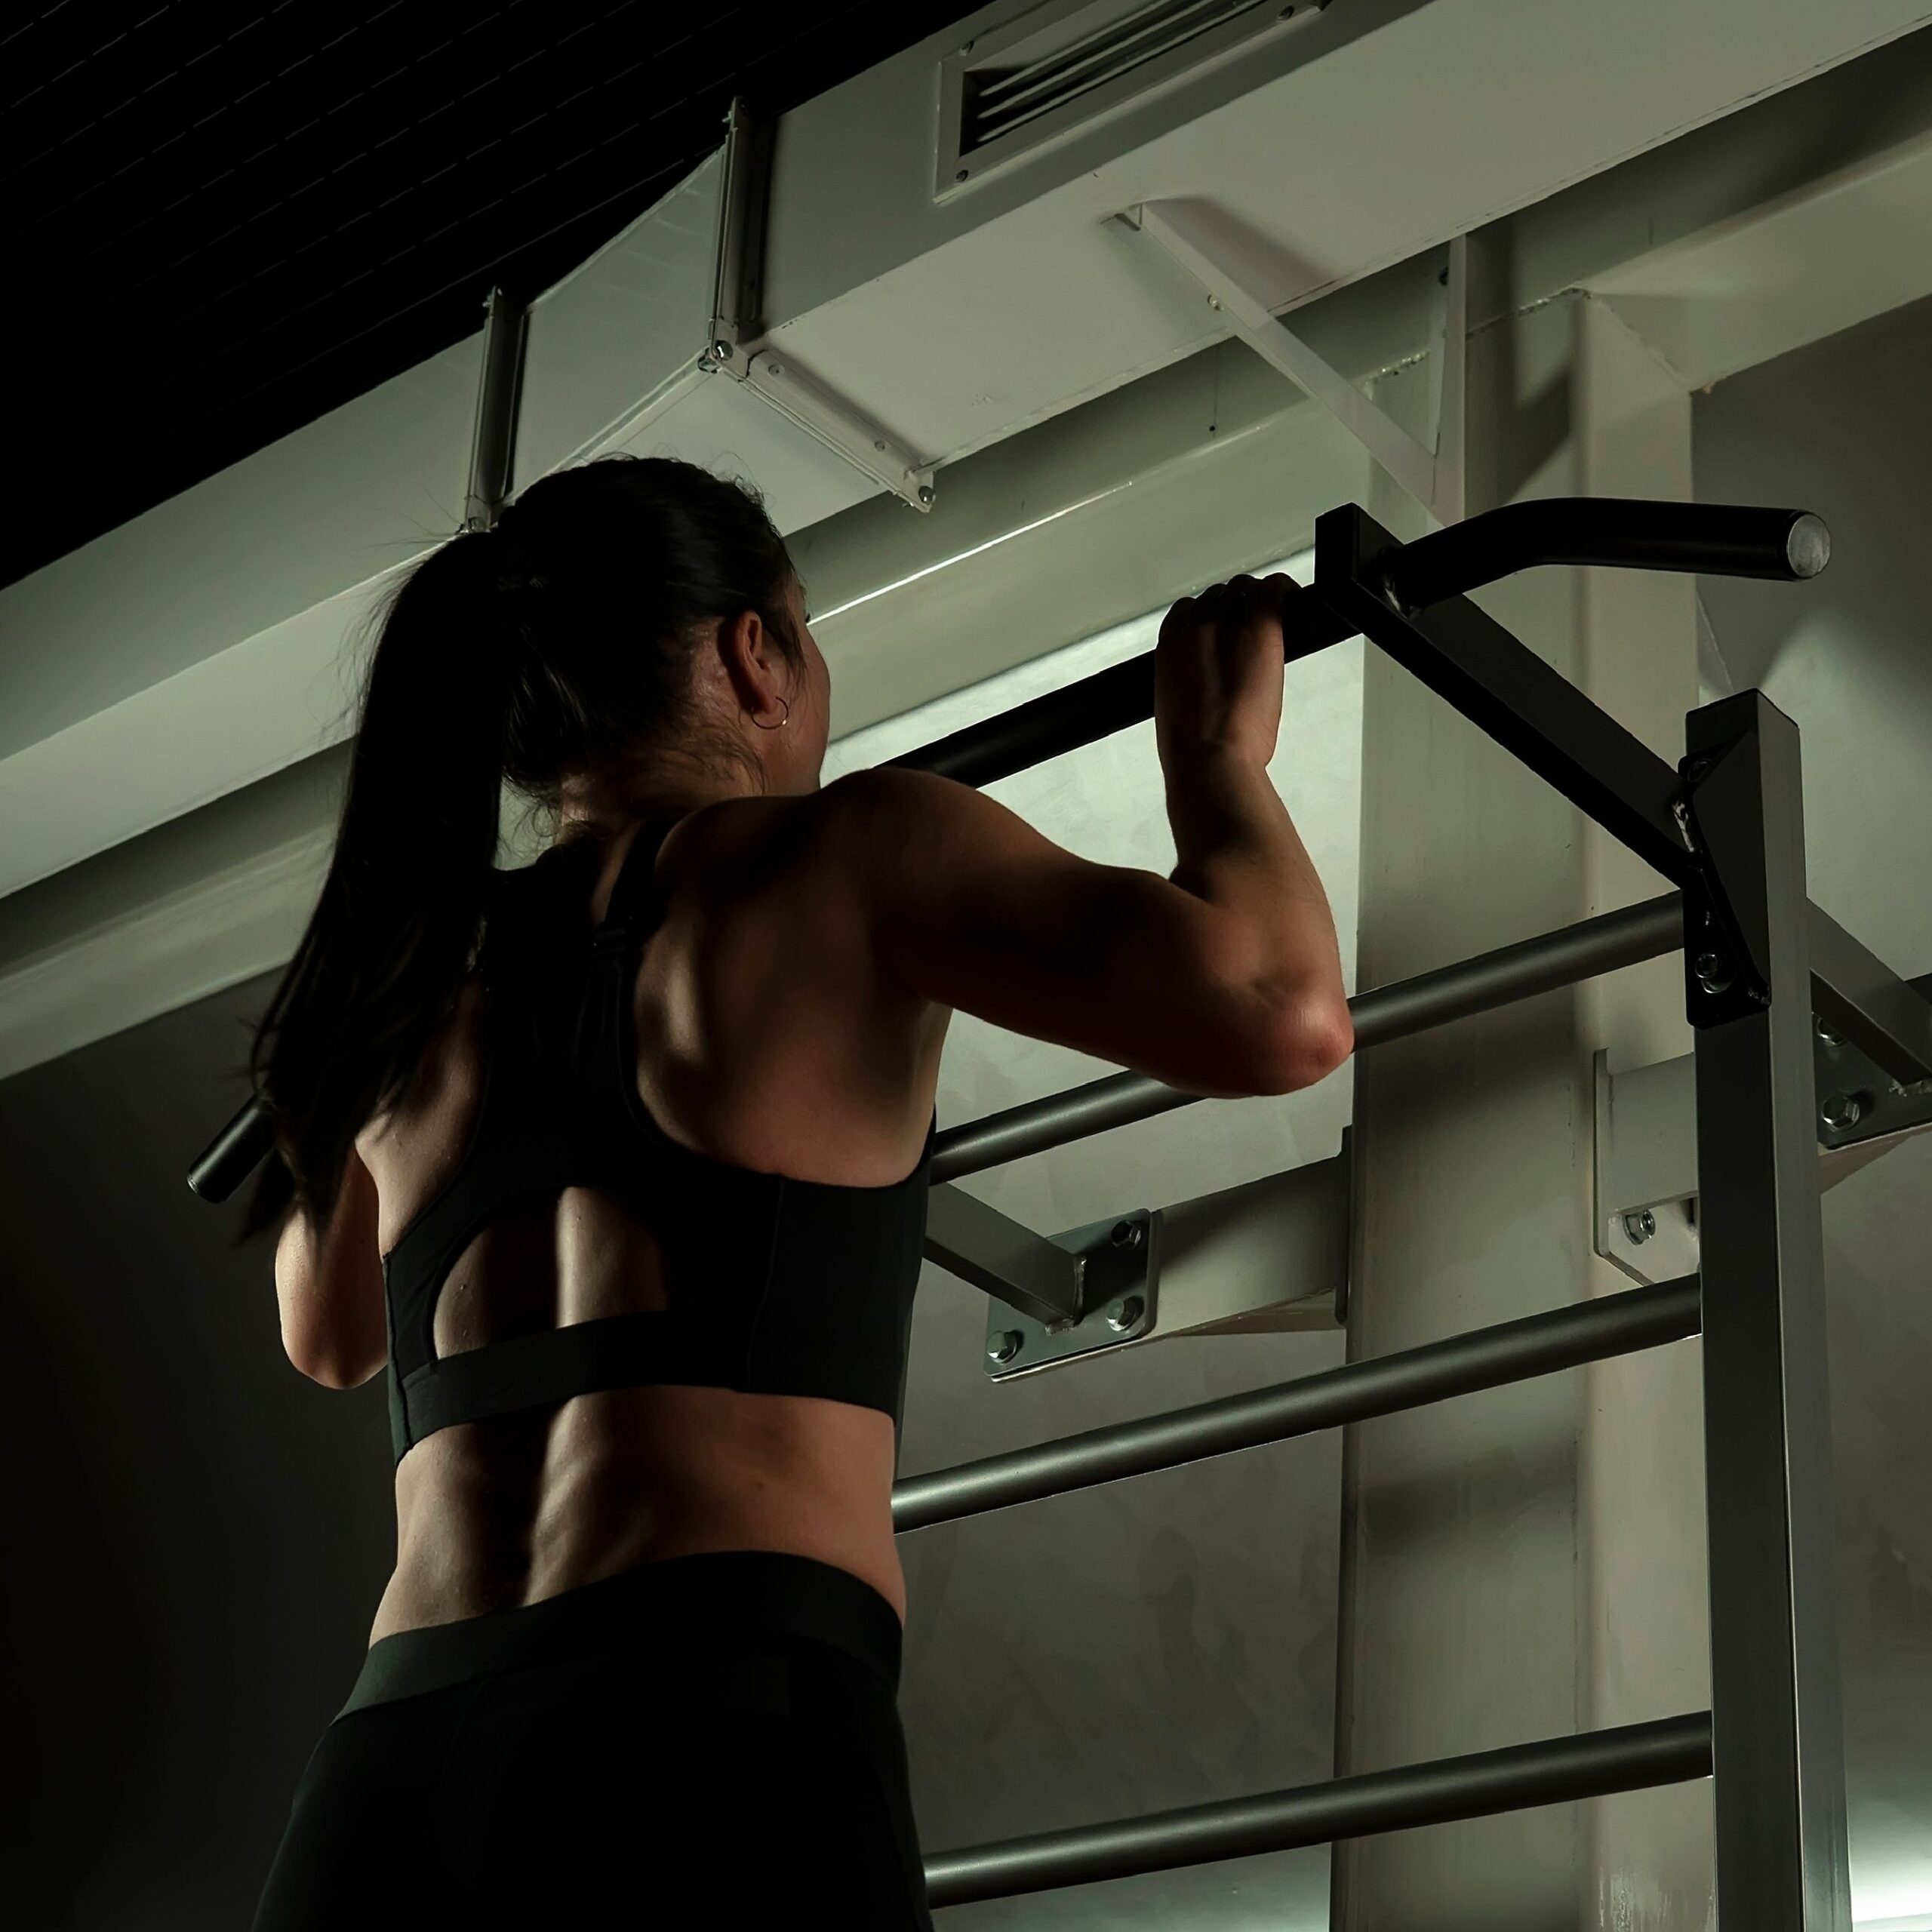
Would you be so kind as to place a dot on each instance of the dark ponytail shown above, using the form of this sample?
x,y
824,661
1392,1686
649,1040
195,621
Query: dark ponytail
x,y
558,646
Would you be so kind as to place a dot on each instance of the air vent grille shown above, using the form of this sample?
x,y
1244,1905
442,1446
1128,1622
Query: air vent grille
x,y
1050,69
1002,97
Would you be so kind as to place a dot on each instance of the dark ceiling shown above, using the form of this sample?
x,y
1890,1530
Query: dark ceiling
x,y
224,221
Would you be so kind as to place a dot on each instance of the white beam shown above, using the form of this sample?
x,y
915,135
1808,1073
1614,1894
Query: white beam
x,y
1854,244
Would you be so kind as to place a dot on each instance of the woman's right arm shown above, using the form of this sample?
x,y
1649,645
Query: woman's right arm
x,y
1223,979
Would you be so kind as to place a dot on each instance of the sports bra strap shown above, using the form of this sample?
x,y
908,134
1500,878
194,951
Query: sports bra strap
x,y
542,1369
633,909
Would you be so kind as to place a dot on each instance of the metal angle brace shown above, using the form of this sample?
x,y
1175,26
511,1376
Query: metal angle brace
x,y
1646,1219
738,345
1863,1111
1271,1255
1433,476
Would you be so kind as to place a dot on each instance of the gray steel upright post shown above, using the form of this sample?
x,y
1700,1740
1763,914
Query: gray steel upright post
x,y
1776,1726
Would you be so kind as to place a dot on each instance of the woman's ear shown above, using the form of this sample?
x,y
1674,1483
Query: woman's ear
x,y
758,669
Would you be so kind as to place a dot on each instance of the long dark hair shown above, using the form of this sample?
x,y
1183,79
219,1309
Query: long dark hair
x,y
558,646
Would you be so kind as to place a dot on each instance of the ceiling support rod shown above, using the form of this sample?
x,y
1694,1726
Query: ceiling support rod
x,y
1433,476
738,346
499,400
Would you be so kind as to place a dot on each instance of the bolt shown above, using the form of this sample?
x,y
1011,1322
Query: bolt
x,y
960,175
774,368
1126,1234
1714,973
1841,1111
1004,1346
879,443
1639,1227
926,495
1827,1035
1124,1313
1213,301
705,365
722,350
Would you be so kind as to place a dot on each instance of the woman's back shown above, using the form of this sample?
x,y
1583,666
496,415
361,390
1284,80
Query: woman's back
x,y
634,1211
523,1506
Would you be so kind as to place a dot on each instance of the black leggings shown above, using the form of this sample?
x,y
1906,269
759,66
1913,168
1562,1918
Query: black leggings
x,y
709,1742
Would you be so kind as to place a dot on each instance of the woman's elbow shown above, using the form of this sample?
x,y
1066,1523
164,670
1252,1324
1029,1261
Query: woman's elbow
x,y
324,1360
1302,1042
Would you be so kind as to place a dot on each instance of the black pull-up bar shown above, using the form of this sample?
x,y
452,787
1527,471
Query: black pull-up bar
x,y
1714,539
1711,540
1718,539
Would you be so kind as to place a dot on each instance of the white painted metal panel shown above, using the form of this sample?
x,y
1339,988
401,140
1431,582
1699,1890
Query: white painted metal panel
x,y
1851,245
1365,150
621,335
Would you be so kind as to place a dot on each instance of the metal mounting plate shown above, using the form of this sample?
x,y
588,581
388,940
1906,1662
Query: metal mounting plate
x,y
1645,1220
1121,1278
1862,1112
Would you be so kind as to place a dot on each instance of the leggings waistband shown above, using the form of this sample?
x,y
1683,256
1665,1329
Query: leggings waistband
x,y
726,1594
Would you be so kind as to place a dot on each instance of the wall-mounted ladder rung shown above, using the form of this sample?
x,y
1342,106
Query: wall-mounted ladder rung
x,y
1554,1770
1483,1359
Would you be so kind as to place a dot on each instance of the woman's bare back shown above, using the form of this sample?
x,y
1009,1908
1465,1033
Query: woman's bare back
x,y
497,1513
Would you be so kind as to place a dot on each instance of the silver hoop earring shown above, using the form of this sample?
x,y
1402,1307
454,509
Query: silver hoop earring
x,y
782,723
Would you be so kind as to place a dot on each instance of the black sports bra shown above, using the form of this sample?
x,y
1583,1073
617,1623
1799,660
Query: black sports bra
x,y
773,1286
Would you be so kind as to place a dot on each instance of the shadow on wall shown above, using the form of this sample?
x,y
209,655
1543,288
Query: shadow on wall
x,y
185,1512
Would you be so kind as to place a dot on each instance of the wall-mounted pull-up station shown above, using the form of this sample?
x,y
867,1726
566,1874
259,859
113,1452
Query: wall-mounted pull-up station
x,y
1785,1004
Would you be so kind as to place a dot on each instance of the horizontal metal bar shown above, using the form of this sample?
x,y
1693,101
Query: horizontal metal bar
x,y
1859,997
1556,1770
1531,966
1485,1358
1706,540
1077,714
1089,709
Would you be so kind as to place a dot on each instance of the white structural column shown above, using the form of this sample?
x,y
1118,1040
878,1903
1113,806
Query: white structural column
x,y
1527,1563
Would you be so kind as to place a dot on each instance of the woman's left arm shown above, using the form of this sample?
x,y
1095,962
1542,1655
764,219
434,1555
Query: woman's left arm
x,y
330,1289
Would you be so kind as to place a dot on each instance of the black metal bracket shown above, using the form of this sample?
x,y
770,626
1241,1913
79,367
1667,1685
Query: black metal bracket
x,y
1505,690
1727,965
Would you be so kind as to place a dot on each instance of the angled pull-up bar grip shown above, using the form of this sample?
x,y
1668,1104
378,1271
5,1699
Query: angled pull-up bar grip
x,y
1629,533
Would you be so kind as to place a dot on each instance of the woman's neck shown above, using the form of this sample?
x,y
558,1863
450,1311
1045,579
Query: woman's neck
x,y
606,812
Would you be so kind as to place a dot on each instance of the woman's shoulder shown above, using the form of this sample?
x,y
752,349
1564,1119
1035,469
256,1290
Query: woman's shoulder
x,y
745,840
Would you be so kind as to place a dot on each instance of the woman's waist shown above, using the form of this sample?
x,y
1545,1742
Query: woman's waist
x,y
502,1514
668,1615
